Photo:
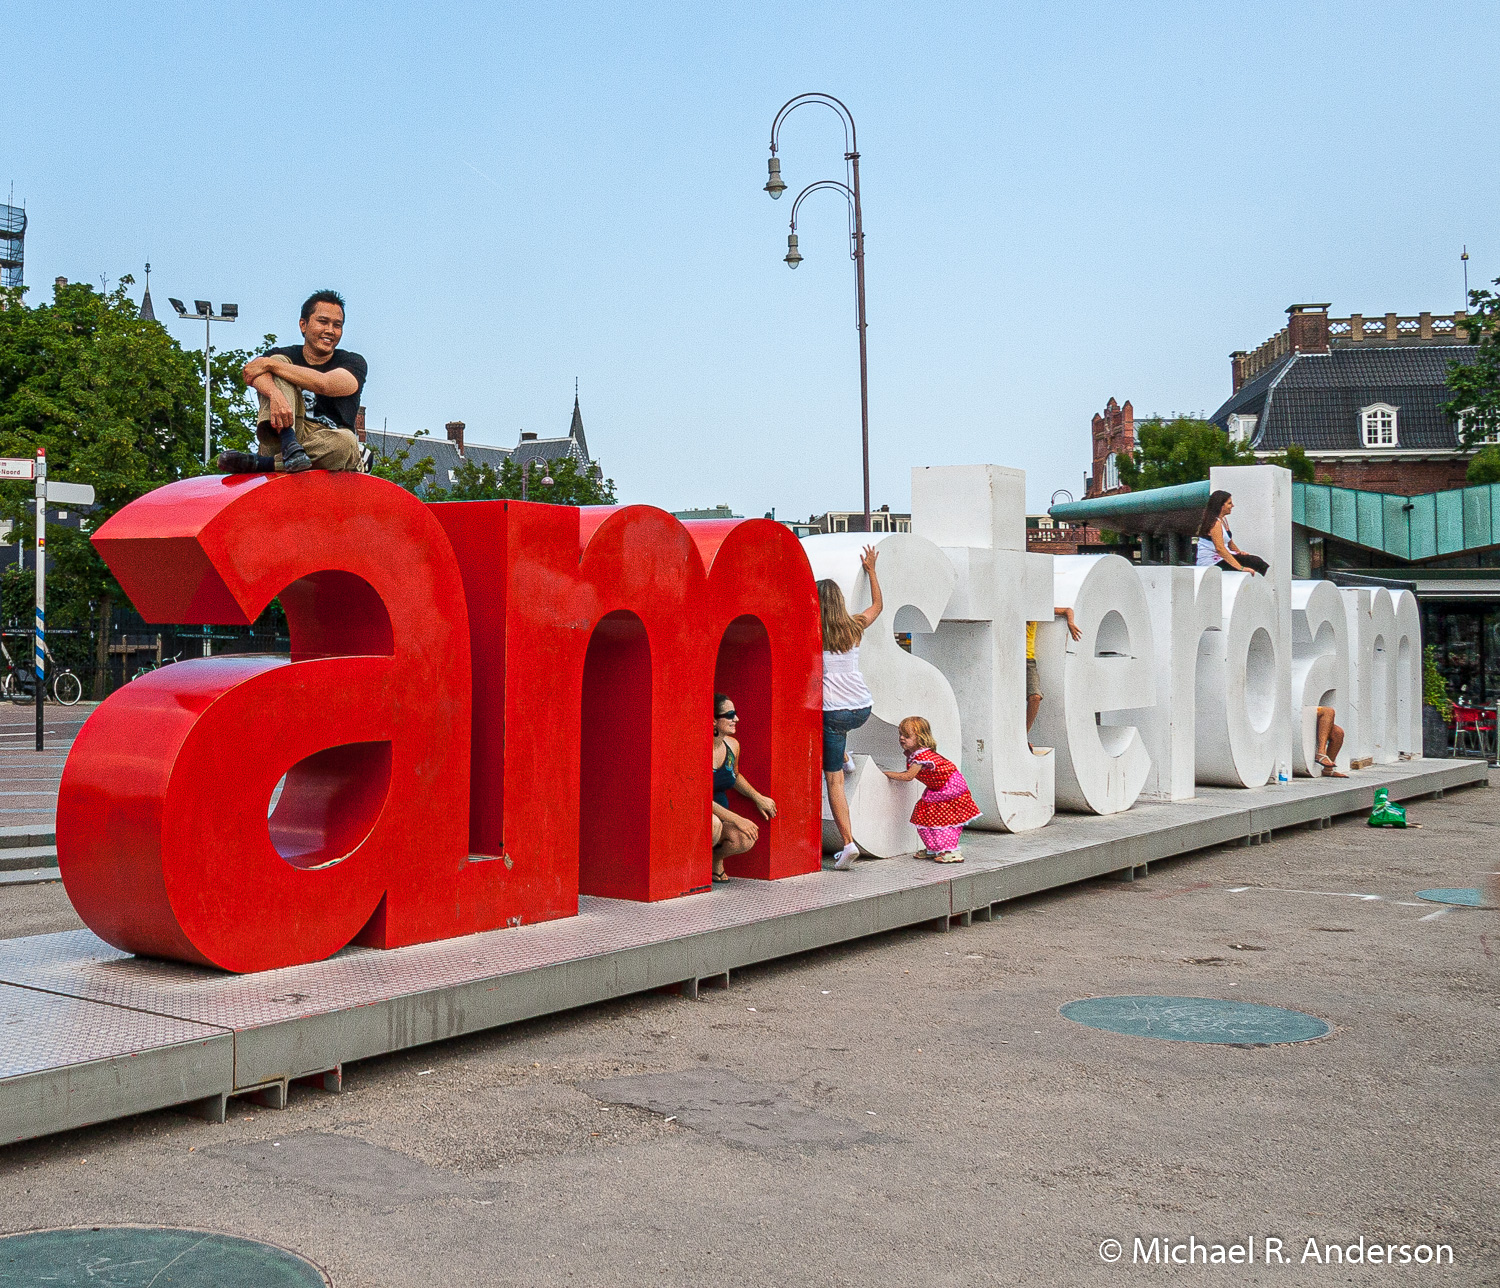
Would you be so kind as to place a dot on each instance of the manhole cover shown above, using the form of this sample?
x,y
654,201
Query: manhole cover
x,y
135,1256
1195,1019
1467,897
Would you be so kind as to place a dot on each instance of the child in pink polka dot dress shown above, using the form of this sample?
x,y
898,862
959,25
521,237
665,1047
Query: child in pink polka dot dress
x,y
946,805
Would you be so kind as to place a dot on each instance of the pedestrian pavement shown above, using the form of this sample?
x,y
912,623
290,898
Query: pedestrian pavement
x,y
28,787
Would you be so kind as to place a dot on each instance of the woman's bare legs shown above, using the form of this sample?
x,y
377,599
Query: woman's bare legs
x,y
1330,743
728,840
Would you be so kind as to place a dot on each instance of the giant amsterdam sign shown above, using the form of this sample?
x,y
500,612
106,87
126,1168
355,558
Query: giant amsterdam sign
x,y
491,707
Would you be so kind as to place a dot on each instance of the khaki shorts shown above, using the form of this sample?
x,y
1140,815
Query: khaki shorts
x,y
335,450
1033,679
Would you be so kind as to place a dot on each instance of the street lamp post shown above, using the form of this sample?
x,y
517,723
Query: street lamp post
x,y
776,187
205,310
545,480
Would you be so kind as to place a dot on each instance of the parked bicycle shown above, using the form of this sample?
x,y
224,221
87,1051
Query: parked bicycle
x,y
155,666
19,682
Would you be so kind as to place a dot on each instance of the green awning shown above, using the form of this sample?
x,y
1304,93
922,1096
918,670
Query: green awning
x,y
1427,526
1155,510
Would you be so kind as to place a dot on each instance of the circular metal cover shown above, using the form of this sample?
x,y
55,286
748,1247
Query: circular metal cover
x,y
1466,897
133,1256
1195,1019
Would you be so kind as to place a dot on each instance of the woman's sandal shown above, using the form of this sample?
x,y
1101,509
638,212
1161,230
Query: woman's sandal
x,y
720,878
1330,770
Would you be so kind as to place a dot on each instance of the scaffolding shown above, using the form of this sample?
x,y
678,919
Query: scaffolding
x,y
12,245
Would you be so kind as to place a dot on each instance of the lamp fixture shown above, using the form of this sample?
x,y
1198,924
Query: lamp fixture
x,y
774,185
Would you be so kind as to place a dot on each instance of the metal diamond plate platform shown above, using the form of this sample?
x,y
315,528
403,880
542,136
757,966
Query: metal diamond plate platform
x,y
268,1028
65,1061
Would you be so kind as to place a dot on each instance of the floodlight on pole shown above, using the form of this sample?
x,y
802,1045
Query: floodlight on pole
x,y
205,310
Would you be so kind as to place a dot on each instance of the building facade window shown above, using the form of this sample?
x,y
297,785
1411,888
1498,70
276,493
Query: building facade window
x,y
1111,473
1463,427
1378,425
1242,428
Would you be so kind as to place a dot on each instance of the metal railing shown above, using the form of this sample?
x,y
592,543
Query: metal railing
x,y
1357,329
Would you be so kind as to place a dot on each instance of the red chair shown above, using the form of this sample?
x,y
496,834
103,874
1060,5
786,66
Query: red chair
x,y
1473,725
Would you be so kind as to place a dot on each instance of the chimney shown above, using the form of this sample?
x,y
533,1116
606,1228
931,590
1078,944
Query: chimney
x,y
528,435
59,282
359,424
1307,328
1237,370
455,430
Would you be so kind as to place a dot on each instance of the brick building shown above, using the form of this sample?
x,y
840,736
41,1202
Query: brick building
x,y
1362,396
1113,433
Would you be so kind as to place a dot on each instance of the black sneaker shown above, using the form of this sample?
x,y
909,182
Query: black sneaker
x,y
296,462
237,463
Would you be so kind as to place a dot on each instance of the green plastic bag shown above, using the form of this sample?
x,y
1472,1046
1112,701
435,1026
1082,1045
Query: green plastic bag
x,y
1385,814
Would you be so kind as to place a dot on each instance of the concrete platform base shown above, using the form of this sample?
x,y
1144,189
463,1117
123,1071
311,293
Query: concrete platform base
x,y
92,1034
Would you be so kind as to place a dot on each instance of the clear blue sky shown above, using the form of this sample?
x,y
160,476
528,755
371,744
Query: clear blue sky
x,y
1063,203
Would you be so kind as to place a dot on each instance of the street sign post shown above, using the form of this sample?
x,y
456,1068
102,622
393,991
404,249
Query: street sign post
x,y
39,663
54,493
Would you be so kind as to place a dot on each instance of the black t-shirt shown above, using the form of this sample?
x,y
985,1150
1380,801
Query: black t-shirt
x,y
337,411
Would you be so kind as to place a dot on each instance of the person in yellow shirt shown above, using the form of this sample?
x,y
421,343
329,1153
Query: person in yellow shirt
x,y
1033,680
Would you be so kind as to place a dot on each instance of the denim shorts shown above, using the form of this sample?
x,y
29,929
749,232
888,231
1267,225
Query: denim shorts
x,y
837,726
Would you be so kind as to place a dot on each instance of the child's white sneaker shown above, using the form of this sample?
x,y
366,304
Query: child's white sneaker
x,y
848,763
844,859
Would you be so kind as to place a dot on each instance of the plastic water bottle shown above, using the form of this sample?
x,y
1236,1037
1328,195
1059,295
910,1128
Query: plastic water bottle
x,y
1282,776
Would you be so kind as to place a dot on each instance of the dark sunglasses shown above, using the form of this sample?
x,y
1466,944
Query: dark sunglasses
x,y
727,715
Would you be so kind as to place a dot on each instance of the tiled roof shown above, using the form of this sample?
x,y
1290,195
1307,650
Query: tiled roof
x,y
548,449
1315,399
445,458
572,444
440,451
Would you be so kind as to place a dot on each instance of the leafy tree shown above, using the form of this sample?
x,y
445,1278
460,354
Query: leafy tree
x,y
1485,467
1180,450
401,470
1476,386
1295,459
572,483
117,403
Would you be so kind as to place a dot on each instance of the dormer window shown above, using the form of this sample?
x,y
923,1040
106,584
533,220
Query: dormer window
x,y
1378,425
1242,428
1464,426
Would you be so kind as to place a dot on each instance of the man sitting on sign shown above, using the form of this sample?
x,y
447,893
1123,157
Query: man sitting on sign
x,y
309,398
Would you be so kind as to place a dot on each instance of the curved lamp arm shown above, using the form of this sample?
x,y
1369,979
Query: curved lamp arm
x,y
822,185
851,142
774,184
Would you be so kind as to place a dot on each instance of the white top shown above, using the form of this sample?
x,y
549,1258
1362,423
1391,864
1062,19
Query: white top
x,y
844,688
1208,554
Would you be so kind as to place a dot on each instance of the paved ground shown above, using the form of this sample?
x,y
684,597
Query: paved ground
x,y
28,777
909,1110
